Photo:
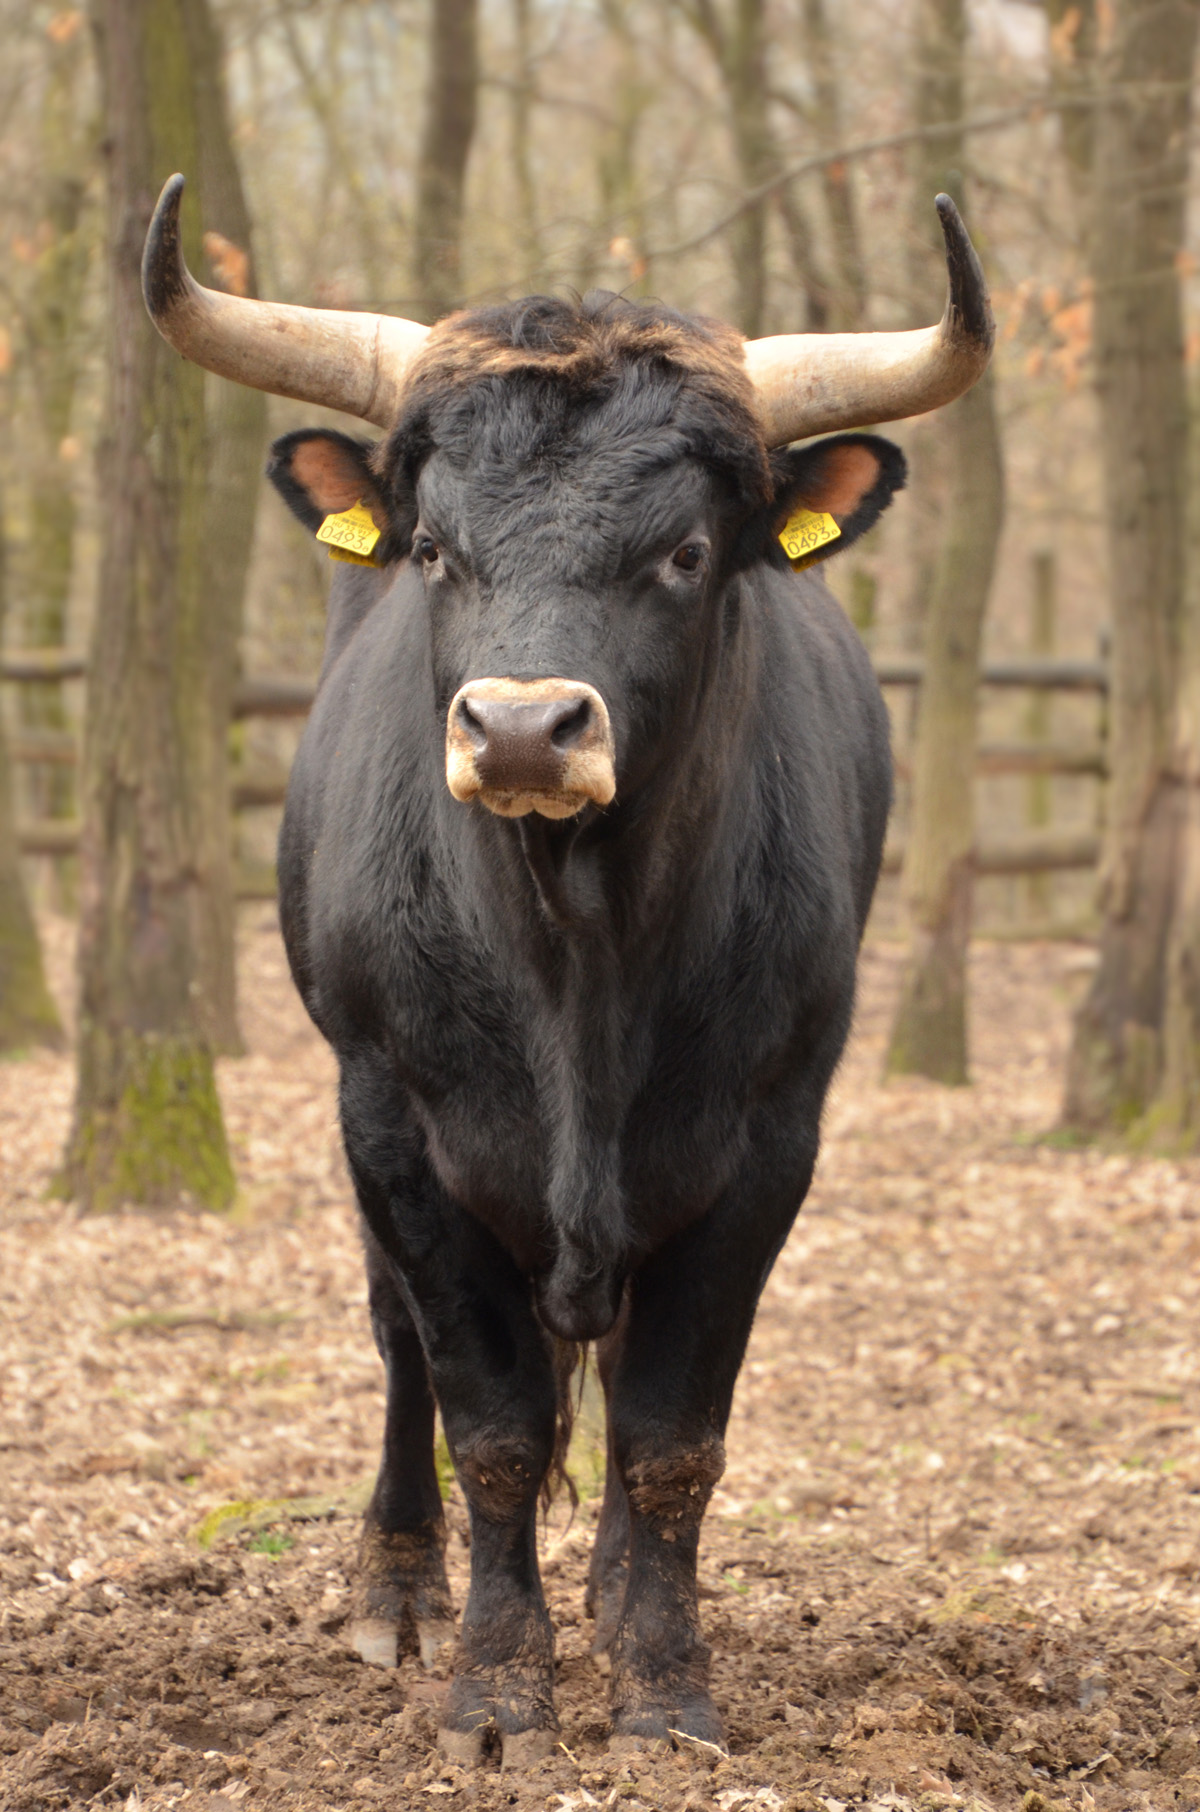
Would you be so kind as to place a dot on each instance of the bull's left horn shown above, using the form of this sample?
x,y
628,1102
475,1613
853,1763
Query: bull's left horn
x,y
353,362
811,383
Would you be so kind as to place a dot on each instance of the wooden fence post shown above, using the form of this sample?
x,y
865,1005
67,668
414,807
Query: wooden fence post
x,y
1039,894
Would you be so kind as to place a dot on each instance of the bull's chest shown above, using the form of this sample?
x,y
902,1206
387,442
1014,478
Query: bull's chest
x,y
636,1093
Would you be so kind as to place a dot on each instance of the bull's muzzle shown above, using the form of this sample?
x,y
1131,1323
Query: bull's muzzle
x,y
530,746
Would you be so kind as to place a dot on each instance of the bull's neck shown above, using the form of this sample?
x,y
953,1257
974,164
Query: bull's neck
x,y
615,875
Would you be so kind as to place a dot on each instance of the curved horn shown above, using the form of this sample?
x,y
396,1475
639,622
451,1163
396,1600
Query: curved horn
x,y
809,383
353,362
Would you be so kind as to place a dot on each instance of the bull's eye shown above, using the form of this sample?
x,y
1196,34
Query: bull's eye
x,y
690,557
425,548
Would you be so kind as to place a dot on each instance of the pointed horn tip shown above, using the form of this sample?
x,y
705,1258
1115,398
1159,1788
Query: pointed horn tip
x,y
969,299
164,273
947,210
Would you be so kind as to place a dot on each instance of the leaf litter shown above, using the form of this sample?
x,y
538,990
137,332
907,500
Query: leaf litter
x,y
954,1560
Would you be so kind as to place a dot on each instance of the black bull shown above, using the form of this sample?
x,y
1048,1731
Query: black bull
x,y
578,849
582,1061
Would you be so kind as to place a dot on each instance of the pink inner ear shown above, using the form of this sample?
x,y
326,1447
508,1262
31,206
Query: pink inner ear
x,y
845,476
332,479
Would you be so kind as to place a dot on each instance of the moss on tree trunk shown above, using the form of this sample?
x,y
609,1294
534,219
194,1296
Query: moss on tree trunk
x,y
155,1135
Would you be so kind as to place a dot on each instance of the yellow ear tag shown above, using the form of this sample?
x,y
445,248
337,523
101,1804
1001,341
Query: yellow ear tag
x,y
804,534
350,535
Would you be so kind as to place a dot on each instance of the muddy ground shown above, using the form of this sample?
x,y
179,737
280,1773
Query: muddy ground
x,y
955,1558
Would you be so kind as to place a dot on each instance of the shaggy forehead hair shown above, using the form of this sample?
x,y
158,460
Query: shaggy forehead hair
x,y
541,364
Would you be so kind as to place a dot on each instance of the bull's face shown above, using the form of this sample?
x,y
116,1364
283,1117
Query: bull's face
x,y
571,599
581,548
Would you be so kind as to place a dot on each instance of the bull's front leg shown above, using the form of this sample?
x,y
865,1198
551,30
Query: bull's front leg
x,y
504,1671
401,1595
689,1317
490,1363
494,1380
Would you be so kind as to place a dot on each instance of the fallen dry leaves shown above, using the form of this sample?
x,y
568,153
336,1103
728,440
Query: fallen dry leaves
x,y
955,1558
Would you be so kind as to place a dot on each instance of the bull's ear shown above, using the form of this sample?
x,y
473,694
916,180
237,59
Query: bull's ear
x,y
850,477
320,473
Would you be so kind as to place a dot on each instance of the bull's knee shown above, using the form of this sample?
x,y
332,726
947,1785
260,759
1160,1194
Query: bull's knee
x,y
501,1474
669,1487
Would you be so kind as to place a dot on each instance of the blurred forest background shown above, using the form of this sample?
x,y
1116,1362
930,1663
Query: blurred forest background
x,y
772,162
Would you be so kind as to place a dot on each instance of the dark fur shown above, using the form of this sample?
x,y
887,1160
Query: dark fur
x,y
583,1063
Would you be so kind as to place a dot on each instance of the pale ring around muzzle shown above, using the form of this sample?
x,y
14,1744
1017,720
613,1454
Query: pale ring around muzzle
x,y
522,746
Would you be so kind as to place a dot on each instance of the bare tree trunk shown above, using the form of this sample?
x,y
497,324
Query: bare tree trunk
x,y
236,426
1174,1118
802,249
343,154
449,126
848,299
1142,124
737,43
148,1124
929,1035
53,331
1072,77
619,163
521,119
27,1013
749,106
934,165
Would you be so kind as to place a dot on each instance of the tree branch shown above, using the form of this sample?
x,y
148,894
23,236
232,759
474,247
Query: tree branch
x,y
997,121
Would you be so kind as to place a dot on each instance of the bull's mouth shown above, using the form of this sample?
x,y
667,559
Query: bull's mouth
x,y
518,805
521,746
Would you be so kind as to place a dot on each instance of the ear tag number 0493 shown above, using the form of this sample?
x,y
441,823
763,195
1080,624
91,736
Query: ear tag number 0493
x,y
350,535
804,534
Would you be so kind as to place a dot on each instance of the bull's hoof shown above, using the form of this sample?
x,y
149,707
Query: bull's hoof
x,y
463,1746
692,1721
518,1749
519,1711
622,1746
401,1602
376,1640
524,1747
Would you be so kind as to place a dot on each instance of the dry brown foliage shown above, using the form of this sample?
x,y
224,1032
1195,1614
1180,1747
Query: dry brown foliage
x,y
953,1561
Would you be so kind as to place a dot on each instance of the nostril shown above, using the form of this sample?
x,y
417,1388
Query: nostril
x,y
475,728
571,726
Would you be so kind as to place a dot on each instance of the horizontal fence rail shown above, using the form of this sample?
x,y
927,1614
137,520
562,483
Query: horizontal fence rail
x,y
1036,852
1033,673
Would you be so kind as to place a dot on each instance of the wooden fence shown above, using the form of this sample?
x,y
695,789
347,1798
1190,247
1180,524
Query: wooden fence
x,y
1033,852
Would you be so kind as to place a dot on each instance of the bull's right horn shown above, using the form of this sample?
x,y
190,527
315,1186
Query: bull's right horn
x,y
812,383
353,362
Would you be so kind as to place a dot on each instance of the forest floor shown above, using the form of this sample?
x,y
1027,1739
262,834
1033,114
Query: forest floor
x,y
954,1561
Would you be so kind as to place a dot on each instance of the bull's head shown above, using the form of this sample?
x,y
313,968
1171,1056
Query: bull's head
x,y
579,487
